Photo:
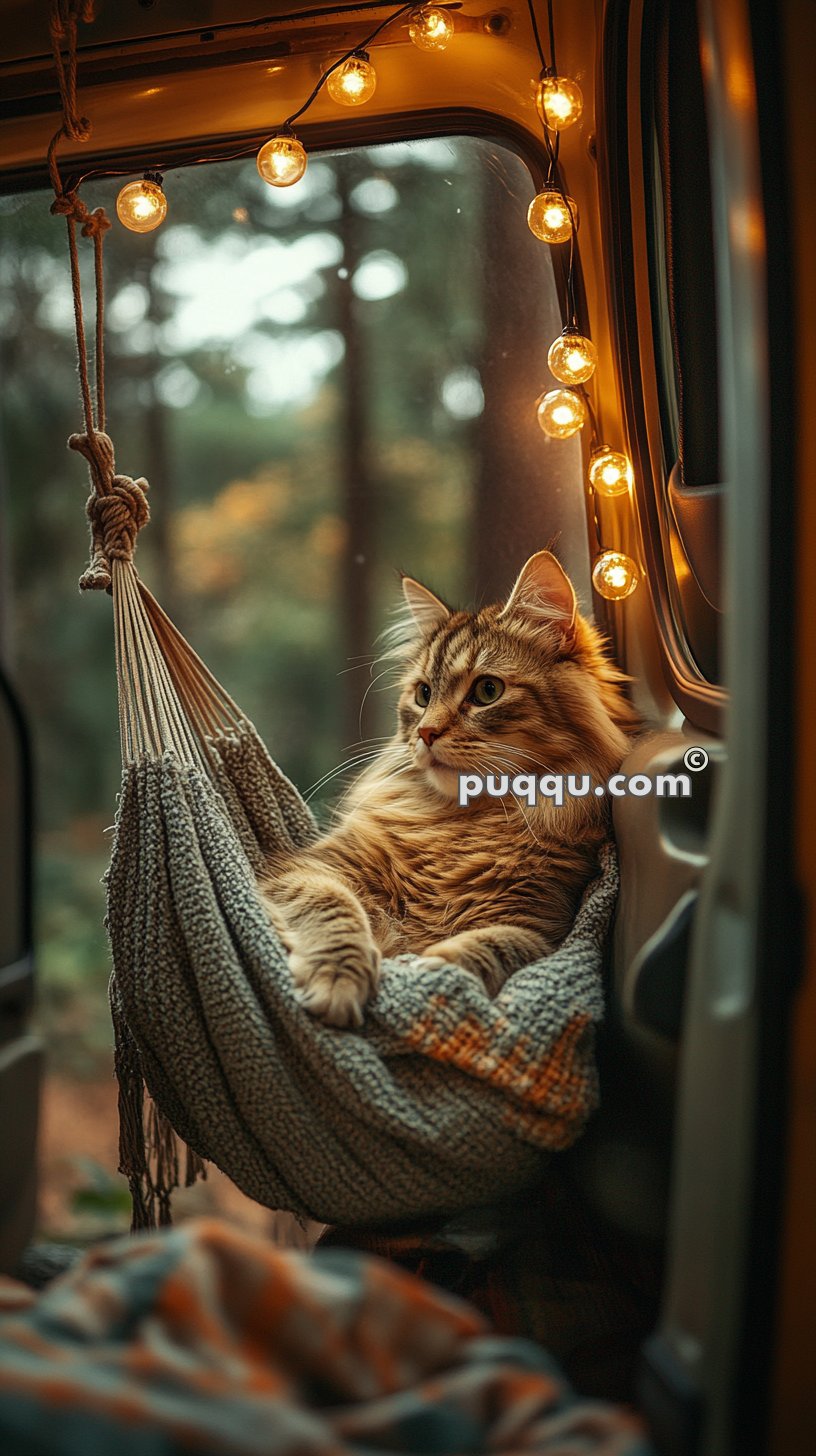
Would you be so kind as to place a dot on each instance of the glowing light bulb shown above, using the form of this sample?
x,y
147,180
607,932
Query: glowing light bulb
x,y
282,160
548,216
559,102
614,575
353,83
430,29
610,472
572,358
142,205
561,413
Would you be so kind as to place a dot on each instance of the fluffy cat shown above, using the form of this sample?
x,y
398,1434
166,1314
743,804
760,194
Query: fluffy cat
x,y
519,687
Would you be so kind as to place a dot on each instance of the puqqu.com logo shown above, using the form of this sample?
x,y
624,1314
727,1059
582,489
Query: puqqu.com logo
x,y
557,788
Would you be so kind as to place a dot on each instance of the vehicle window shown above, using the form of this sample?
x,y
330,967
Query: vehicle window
x,y
323,385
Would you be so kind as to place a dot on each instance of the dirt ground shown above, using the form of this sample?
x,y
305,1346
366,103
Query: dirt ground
x,y
78,1151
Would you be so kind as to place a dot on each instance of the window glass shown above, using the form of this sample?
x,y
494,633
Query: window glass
x,y
324,386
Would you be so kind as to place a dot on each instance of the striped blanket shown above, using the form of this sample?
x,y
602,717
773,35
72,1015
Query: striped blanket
x,y
203,1340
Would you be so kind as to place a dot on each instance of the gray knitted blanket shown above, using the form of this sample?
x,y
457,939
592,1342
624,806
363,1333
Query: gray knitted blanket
x,y
444,1099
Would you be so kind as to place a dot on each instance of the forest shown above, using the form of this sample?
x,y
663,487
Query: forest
x,y
324,386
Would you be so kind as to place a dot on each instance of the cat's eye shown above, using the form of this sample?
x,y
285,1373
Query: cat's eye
x,y
486,690
422,696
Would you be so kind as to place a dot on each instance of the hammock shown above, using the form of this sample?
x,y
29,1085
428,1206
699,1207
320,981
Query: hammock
x,y
444,1098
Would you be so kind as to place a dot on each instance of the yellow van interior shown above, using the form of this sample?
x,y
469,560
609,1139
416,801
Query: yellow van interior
x,y
330,382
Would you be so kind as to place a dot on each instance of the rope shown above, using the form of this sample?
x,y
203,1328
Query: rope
x,y
117,506
168,699
63,28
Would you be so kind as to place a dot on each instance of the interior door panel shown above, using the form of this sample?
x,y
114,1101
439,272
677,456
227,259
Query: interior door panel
x,y
20,1052
623,1162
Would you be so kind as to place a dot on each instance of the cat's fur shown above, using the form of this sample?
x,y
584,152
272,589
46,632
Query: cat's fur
x,y
495,884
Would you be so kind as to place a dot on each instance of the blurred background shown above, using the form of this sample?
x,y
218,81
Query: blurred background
x,y
320,386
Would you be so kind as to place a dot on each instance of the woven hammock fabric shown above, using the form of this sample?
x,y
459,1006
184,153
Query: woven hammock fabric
x,y
442,1100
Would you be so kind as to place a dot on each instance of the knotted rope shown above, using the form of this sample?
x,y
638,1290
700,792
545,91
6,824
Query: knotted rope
x,y
117,506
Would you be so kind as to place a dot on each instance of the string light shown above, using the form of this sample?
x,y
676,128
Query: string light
x,y
282,160
561,413
142,205
559,102
429,28
572,357
550,216
610,471
353,83
614,575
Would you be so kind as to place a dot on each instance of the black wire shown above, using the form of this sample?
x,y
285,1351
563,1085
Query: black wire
x,y
539,47
598,532
595,439
572,320
552,143
551,27
251,149
361,45
97,173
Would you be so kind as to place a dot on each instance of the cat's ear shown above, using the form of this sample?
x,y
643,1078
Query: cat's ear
x,y
427,610
544,594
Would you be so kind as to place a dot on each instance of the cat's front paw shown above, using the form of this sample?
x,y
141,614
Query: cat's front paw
x,y
430,961
336,989
461,950
444,953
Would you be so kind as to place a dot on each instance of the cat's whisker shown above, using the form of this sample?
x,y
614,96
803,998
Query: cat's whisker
x,y
525,753
528,820
354,762
484,767
355,666
394,773
365,742
517,803
376,757
372,684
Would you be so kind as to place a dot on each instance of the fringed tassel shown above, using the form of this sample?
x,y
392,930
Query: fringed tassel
x,y
163,1158
132,1149
194,1167
148,1146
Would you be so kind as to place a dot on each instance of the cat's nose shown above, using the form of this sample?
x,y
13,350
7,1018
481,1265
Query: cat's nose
x,y
429,736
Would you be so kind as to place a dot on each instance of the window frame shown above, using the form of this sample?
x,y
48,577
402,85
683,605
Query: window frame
x,y
625,220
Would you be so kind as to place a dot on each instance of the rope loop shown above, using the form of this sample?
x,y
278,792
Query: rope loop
x,y
69,204
117,509
77,128
64,18
96,223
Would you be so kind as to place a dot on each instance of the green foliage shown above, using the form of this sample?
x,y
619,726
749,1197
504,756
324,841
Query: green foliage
x,y
101,1198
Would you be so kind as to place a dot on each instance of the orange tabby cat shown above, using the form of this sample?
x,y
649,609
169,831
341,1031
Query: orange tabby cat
x,y
520,687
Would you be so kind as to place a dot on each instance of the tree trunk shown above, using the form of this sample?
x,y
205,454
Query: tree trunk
x,y
358,502
528,487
